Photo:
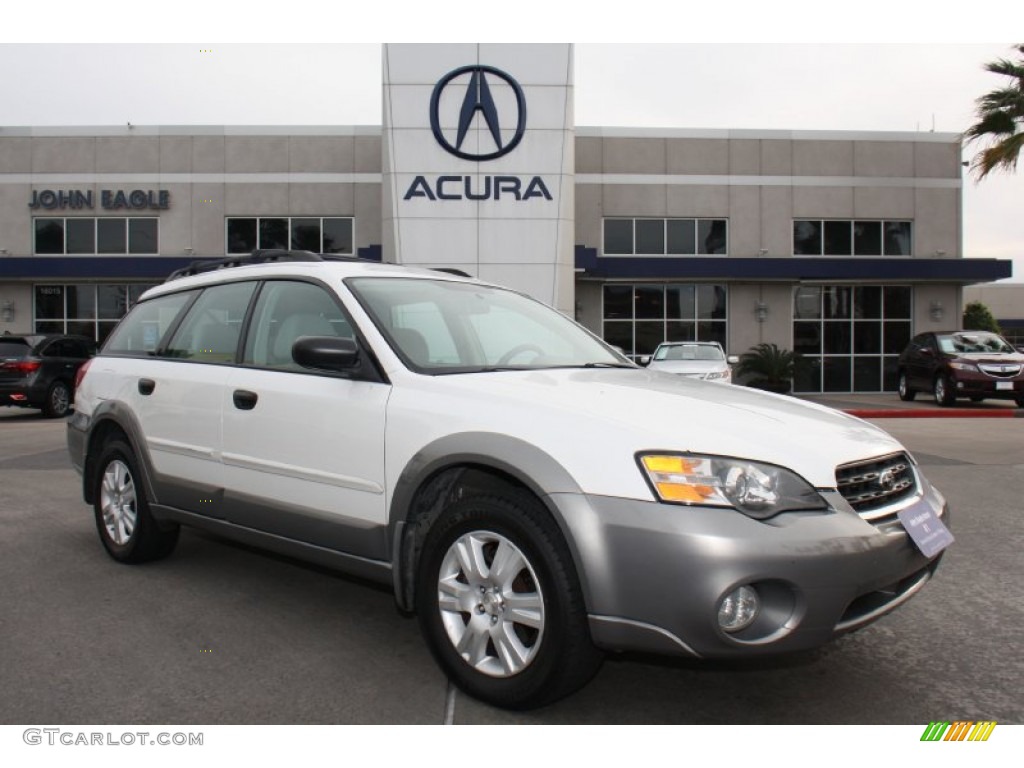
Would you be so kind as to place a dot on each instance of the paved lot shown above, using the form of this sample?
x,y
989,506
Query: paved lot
x,y
219,633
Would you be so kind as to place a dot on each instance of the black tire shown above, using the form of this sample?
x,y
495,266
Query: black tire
x,y
906,392
943,391
554,655
127,529
58,401
1020,402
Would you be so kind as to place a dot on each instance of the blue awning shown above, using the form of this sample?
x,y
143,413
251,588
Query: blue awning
x,y
91,267
790,268
112,267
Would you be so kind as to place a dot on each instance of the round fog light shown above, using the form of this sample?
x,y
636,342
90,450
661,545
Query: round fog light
x,y
739,609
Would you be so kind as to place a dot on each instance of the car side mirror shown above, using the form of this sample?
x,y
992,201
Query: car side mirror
x,y
644,360
326,353
927,352
733,359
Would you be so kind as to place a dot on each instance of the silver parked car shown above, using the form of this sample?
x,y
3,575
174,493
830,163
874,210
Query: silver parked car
x,y
696,359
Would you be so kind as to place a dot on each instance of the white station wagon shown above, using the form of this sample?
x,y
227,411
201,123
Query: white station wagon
x,y
531,495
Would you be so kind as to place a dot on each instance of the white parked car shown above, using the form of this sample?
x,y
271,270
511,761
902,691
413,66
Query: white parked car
x,y
696,359
531,495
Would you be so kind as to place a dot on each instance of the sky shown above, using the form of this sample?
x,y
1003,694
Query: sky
x,y
747,66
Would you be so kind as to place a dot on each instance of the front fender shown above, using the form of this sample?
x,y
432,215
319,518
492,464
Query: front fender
x,y
523,462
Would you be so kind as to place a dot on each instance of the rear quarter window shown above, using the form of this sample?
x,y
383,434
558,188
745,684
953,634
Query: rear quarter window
x,y
14,349
140,332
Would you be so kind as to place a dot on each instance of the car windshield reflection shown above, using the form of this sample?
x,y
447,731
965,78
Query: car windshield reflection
x,y
448,326
967,343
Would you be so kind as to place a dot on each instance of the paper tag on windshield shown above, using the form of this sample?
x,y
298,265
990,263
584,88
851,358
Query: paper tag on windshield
x,y
929,533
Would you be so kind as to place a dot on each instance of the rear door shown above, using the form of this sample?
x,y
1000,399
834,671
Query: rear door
x,y
60,361
921,361
303,452
174,387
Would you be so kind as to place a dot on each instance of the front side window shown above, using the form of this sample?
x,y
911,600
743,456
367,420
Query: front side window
x,y
285,311
442,327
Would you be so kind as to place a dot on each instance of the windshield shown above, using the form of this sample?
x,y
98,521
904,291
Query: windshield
x,y
440,326
975,341
689,352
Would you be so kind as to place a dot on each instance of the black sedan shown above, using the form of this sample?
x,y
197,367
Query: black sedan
x,y
955,364
38,370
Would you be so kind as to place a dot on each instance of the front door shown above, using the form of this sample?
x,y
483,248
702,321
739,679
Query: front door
x,y
303,452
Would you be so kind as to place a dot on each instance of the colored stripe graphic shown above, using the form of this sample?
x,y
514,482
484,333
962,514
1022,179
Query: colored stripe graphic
x,y
959,730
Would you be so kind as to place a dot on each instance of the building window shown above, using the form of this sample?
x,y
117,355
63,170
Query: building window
x,y
306,233
849,337
84,309
665,237
103,236
637,318
812,237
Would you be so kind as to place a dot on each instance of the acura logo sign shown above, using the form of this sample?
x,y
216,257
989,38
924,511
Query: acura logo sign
x,y
477,101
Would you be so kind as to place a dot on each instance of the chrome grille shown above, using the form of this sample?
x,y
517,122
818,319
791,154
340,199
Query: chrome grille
x,y
871,485
1002,370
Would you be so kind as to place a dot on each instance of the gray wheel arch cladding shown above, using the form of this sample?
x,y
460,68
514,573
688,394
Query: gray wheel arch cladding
x,y
113,414
524,462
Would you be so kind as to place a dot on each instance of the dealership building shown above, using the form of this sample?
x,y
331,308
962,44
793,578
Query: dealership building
x,y
840,245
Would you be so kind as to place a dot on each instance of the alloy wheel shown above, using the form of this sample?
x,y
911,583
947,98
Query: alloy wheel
x,y
491,603
118,502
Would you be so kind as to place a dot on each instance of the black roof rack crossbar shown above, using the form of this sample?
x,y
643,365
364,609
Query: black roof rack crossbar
x,y
452,271
256,257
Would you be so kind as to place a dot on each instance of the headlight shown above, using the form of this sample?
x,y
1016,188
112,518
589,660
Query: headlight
x,y
755,489
714,375
964,366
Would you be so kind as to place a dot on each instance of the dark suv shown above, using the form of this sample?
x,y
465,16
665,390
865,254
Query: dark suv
x,y
952,364
38,370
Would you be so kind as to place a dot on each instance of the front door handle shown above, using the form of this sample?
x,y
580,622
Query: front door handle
x,y
244,399
146,386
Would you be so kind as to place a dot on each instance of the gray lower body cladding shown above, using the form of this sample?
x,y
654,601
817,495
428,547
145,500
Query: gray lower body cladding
x,y
654,574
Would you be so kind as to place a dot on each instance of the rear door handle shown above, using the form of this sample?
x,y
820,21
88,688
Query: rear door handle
x,y
244,399
146,386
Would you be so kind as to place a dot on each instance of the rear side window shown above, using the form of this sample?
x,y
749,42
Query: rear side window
x,y
58,348
211,329
141,330
81,348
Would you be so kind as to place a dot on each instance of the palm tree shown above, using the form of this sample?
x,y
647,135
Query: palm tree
x,y
1000,119
769,366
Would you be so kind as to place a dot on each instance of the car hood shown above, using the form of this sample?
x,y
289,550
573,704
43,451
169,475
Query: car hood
x,y
987,357
687,367
593,416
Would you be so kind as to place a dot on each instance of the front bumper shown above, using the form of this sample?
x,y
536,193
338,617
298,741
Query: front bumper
x,y
654,575
985,386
